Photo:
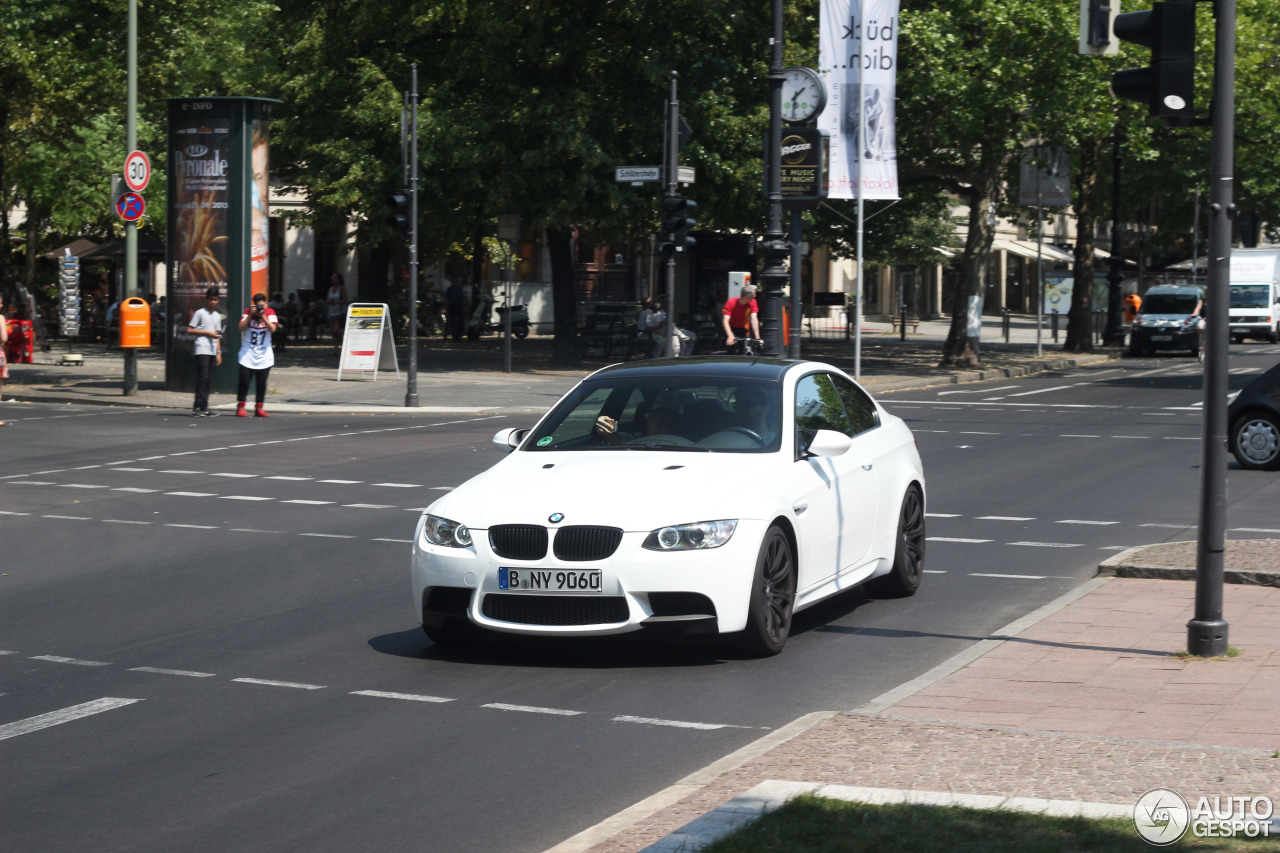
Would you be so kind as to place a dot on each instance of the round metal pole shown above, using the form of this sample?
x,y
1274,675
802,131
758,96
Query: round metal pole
x,y
1207,632
131,228
797,225
1114,335
774,275
411,387
1039,261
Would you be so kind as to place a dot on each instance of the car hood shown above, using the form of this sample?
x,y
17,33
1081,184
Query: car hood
x,y
634,490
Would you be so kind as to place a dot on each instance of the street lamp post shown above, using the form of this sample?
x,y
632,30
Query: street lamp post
x,y
776,247
131,228
1114,335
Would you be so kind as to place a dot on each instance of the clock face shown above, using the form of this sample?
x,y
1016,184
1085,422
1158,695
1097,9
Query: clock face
x,y
803,95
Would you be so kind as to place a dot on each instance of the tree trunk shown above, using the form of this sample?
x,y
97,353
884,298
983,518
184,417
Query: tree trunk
x,y
958,351
563,295
1080,318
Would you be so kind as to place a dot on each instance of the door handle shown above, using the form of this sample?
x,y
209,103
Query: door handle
x,y
799,508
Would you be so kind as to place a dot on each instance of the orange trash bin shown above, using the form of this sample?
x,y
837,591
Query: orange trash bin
x,y
135,323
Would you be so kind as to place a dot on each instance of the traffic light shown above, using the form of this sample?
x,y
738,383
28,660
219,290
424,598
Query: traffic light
x,y
399,218
1096,17
1165,86
676,223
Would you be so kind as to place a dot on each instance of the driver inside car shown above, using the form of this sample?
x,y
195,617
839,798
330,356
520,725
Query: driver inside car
x,y
752,411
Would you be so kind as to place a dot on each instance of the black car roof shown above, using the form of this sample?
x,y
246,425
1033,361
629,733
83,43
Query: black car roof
x,y
712,366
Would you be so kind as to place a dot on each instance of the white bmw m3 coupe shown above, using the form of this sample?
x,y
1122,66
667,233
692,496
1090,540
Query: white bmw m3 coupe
x,y
713,495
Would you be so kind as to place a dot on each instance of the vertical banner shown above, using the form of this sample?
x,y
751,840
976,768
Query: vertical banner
x,y
217,223
860,38
1045,177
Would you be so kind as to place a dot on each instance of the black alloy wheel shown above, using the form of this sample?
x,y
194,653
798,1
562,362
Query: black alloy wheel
x,y
773,596
908,556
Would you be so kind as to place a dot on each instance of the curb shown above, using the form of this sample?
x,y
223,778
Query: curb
x,y
1123,565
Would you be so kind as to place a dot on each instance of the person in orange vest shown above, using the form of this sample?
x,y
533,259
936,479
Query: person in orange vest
x,y
1132,303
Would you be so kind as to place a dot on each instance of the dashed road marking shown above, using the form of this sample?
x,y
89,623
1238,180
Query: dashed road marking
x,y
160,671
994,575
309,503
295,685
950,539
1049,544
282,477
1082,521
124,521
412,697
679,724
72,661
369,506
1004,518
532,709
195,526
402,541
192,494
134,490
244,498
67,517
329,535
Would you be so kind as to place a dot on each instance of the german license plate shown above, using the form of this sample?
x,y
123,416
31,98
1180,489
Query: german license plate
x,y
1162,337
550,580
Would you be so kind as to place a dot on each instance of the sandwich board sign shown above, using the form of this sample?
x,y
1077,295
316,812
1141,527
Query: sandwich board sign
x,y
368,324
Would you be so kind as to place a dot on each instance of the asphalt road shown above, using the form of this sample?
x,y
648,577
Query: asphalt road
x,y
216,615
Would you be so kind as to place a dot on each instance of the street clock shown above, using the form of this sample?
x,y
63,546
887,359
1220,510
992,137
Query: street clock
x,y
803,95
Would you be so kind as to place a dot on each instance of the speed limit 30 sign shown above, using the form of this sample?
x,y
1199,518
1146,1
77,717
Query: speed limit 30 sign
x,y
137,171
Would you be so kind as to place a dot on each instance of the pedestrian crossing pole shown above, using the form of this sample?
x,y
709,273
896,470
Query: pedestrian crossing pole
x,y
131,228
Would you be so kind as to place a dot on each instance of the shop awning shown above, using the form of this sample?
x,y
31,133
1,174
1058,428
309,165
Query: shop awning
x,y
79,249
1028,249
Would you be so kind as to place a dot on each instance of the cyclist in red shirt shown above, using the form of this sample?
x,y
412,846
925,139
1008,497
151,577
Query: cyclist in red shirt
x,y
741,315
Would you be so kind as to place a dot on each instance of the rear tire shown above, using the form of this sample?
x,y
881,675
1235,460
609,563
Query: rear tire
x,y
773,596
908,556
1255,442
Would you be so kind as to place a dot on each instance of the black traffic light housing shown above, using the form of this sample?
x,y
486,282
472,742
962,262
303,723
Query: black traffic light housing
x,y
1166,85
399,218
1098,29
676,223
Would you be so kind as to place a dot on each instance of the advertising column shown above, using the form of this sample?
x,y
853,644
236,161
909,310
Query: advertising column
x,y
217,223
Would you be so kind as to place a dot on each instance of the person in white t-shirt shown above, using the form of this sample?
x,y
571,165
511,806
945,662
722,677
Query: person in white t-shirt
x,y
256,356
206,327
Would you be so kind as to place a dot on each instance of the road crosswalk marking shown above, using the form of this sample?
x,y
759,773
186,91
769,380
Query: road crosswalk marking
x,y
65,715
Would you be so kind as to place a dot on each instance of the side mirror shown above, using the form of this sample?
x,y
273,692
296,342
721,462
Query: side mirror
x,y
509,439
828,442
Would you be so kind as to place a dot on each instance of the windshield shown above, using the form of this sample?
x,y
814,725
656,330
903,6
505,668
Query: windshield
x,y
1249,295
1169,303
687,413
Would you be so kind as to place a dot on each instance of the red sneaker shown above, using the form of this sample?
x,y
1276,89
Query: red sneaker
x,y
259,412
240,412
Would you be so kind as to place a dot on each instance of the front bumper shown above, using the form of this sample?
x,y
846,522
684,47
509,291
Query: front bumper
x,y
1168,338
687,592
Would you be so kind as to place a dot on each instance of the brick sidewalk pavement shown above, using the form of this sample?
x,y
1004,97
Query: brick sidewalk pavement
x,y
1093,703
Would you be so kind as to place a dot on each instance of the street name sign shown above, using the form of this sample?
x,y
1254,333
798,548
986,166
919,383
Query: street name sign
x,y
637,174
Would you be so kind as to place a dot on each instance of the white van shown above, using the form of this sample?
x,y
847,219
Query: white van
x,y
1255,294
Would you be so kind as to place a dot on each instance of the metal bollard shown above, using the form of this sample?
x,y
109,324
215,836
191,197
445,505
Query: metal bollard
x,y
1005,322
1055,325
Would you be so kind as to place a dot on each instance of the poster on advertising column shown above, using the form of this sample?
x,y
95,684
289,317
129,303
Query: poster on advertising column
x,y
217,169
859,44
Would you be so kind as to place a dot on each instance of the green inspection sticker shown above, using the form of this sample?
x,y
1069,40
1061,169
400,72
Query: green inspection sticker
x,y
544,441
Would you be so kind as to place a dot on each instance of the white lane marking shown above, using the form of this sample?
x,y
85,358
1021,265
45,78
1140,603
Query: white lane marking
x,y
11,476
1253,530
1049,544
195,526
244,498
531,709
65,715
1130,436
74,661
161,671
68,517
253,530
369,506
131,469
412,697
192,494
1079,521
405,541
235,446
135,491
86,467
342,482
311,503
993,575
442,488
415,509
1170,526
238,476
328,535
1004,518
679,724
1115,547
282,477
180,471
948,539
1041,391
976,391
9,512
211,449
1027,405
123,521
399,485
975,432
942,515
1158,415
268,683
934,571
79,486
1181,438
30,483
7,653
1070,435
38,473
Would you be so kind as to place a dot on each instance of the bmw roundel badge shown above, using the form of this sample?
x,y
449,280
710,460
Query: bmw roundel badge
x,y
556,517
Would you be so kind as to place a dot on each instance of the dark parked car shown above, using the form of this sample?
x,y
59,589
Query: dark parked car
x,y
1254,423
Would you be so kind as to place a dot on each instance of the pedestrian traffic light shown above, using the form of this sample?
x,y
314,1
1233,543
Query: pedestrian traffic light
x,y
399,218
1096,18
1165,86
676,223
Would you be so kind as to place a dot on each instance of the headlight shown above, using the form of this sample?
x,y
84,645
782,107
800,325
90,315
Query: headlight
x,y
442,531
690,537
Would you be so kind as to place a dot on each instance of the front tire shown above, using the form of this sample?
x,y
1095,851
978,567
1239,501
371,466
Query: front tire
x,y
908,556
1255,442
773,596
